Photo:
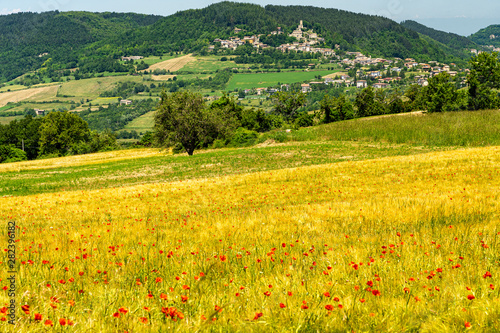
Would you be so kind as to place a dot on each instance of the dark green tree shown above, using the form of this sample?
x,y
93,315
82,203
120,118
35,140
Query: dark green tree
x,y
183,118
365,102
59,131
484,76
440,94
335,109
286,103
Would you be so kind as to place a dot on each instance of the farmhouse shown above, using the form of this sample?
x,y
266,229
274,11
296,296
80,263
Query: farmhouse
x,y
39,112
125,102
380,85
305,87
260,90
361,84
132,58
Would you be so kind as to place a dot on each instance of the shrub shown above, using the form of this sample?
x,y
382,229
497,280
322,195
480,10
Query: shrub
x,y
243,138
9,154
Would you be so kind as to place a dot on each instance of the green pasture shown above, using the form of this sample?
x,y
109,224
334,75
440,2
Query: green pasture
x,y
262,80
142,124
209,64
93,87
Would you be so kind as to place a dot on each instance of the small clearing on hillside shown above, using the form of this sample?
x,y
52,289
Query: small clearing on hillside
x,y
173,65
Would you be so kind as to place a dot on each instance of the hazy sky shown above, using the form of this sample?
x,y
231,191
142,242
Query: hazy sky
x,y
459,16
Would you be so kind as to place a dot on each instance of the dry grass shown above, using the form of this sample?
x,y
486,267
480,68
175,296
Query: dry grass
x,y
173,65
334,75
111,156
40,94
162,77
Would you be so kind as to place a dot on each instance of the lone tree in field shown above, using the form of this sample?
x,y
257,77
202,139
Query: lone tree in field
x,y
183,118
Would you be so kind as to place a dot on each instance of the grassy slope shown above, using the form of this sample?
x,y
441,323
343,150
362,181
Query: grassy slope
x,y
359,139
143,123
213,163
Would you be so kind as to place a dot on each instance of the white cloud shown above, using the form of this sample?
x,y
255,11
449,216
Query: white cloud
x,y
5,11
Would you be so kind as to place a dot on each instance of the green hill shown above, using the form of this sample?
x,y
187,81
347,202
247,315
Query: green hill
x,y
487,36
451,40
95,41
25,38
194,29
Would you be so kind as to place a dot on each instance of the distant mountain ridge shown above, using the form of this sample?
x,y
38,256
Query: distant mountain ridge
x,y
76,39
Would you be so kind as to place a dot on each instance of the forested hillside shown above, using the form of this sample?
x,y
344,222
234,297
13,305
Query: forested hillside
x,y
194,29
95,41
487,36
449,39
25,38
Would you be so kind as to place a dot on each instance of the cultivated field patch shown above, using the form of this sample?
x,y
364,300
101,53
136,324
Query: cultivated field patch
x,y
42,93
173,65
262,80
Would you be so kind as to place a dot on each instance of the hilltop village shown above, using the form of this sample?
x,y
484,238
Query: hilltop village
x,y
370,71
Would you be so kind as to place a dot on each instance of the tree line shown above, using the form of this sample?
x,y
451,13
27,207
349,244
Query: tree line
x,y
56,134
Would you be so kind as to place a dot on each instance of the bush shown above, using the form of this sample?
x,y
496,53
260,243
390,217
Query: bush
x,y
304,120
10,154
243,138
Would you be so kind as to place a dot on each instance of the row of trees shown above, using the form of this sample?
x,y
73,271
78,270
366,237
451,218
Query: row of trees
x,y
441,94
56,134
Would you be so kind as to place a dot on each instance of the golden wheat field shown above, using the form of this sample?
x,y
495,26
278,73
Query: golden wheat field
x,y
173,64
394,244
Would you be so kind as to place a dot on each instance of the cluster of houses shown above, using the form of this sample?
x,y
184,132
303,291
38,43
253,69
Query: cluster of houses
x,y
306,42
234,42
306,47
132,58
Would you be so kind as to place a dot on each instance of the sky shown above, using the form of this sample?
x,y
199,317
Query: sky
x,y
463,17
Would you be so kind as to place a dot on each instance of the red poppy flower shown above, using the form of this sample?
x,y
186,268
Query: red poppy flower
x,y
329,307
123,310
38,317
116,315
470,297
48,323
376,293
143,320
282,305
62,322
467,325
257,315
